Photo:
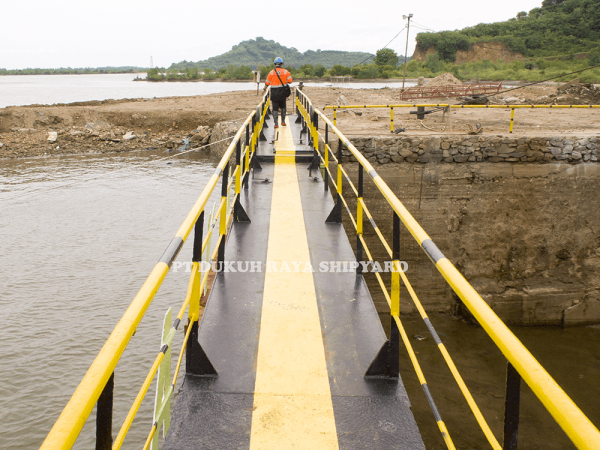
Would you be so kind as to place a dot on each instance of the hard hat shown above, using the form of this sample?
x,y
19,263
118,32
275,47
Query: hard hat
x,y
278,60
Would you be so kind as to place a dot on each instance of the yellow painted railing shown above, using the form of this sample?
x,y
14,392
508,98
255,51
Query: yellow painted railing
x,y
571,419
73,417
449,106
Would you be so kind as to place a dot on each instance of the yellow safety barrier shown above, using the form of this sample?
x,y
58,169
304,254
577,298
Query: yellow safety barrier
x,y
569,417
69,424
447,105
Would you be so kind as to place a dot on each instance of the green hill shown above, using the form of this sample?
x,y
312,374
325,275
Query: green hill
x,y
261,52
558,27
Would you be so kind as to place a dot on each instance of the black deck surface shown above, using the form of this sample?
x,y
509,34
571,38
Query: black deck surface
x,y
216,413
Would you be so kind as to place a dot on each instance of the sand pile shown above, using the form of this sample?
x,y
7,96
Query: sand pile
x,y
445,79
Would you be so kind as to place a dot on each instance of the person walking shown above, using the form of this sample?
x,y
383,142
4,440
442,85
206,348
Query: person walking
x,y
279,79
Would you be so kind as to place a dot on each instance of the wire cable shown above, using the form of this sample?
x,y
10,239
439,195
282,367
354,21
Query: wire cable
x,y
385,46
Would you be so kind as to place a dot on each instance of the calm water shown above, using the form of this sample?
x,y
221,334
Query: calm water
x,y
79,235
49,89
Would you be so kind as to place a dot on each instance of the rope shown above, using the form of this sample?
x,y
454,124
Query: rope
x,y
193,149
437,131
33,194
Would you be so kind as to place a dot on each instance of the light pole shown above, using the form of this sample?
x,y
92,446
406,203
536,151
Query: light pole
x,y
406,51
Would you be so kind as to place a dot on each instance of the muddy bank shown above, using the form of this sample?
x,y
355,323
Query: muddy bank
x,y
165,123
526,236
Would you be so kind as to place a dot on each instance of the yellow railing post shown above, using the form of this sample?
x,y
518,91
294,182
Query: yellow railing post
x,y
223,216
392,119
335,116
238,169
315,127
253,135
395,291
339,170
359,202
359,220
194,311
395,297
512,119
304,111
247,159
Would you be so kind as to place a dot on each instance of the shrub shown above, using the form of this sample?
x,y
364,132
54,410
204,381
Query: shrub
x,y
241,73
434,63
446,43
338,69
594,57
386,57
318,71
154,75
173,74
370,71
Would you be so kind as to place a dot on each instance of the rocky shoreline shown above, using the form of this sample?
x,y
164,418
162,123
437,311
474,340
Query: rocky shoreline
x,y
96,138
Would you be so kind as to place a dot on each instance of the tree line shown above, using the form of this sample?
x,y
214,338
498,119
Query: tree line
x,y
559,27
384,65
70,71
387,65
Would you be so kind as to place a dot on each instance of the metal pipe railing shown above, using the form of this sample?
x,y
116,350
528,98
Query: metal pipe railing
x,y
69,424
569,417
447,106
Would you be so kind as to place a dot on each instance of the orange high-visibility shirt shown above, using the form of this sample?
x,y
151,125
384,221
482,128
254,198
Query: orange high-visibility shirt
x,y
284,74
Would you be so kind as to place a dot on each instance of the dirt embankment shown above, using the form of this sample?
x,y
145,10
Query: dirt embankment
x,y
163,123
102,126
166,123
493,51
477,51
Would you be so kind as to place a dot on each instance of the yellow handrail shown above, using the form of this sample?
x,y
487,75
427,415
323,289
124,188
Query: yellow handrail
x,y
445,105
357,224
70,422
570,418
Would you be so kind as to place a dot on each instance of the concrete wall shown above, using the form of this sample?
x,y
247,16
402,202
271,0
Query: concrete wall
x,y
526,234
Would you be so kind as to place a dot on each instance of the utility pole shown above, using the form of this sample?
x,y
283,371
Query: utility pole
x,y
406,51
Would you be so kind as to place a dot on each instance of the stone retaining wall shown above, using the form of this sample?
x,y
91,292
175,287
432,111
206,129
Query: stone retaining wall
x,y
461,149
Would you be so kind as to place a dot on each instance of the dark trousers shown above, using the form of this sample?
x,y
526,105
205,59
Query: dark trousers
x,y
278,103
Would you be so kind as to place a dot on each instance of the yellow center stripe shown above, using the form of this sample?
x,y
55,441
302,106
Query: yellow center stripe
x,y
292,399
285,145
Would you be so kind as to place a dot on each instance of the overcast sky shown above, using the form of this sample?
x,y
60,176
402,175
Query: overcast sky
x,y
84,33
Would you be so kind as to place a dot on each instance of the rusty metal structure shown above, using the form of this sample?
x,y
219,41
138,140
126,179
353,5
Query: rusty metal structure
x,y
460,90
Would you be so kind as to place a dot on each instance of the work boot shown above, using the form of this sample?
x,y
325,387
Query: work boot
x,y
283,124
277,126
